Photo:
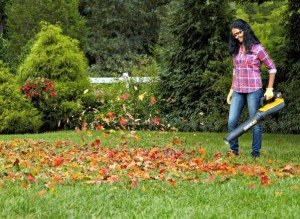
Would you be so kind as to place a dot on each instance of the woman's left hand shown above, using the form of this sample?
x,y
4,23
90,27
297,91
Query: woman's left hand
x,y
269,94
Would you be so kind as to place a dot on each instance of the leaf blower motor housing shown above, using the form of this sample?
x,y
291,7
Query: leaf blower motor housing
x,y
269,107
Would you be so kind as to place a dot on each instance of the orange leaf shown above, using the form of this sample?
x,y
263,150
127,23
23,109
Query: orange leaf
x,y
289,169
176,141
136,138
202,152
42,192
57,143
295,187
113,178
124,144
50,184
24,185
252,185
171,182
74,176
152,153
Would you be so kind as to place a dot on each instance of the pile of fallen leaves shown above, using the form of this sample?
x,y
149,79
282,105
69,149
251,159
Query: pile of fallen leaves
x,y
62,162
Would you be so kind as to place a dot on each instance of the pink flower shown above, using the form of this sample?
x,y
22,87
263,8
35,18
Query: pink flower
x,y
123,121
124,96
156,120
110,115
99,127
28,96
152,100
53,94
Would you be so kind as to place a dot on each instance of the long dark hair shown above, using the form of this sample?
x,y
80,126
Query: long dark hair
x,y
249,37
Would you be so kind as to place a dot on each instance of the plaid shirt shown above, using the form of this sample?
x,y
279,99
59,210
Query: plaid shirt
x,y
246,69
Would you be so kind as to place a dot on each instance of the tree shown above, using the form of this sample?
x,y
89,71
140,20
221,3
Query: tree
x,y
266,20
4,44
289,122
2,15
57,57
24,17
196,68
120,32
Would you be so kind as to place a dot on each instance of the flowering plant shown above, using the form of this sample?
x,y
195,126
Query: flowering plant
x,y
38,88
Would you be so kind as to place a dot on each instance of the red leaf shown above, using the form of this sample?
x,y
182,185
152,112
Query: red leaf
x,y
134,183
58,161
99,127
110,153
30,178
123,121
264,180
97,142
217,155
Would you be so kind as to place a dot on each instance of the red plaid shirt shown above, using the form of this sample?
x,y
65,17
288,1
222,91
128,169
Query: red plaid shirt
x,y
246,69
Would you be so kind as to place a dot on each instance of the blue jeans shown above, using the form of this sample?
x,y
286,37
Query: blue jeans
x,y
238,102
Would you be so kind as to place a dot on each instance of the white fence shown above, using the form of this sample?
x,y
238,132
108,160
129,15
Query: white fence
x,y
124,77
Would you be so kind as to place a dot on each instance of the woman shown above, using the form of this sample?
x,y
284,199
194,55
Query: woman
x,y
248,54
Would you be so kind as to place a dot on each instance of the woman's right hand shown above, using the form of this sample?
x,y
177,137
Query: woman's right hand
x,y
229,96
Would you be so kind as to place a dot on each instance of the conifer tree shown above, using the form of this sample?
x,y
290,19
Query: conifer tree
x,y
24,17
196,67
57,57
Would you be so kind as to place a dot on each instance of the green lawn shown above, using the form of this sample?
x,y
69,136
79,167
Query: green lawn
x,y
235,196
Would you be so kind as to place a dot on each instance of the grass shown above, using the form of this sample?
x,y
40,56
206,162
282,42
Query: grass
x,y
232,198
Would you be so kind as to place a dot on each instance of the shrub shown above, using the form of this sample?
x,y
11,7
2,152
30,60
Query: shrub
x,y
58,58
132,108
17,113
128,104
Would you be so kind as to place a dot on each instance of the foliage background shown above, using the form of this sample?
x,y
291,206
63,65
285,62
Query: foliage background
x,y
186,38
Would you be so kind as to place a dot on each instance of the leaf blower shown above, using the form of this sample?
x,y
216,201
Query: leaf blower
x,y
268,107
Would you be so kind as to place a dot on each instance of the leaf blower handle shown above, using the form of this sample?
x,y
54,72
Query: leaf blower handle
x,y
263,100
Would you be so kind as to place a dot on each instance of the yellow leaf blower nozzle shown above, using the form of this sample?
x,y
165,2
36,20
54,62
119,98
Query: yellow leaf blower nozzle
x,y
268,107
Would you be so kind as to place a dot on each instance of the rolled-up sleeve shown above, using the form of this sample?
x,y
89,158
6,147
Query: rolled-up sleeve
x,y
266,60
